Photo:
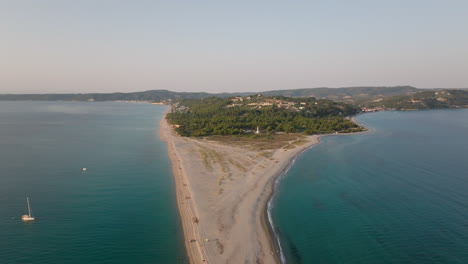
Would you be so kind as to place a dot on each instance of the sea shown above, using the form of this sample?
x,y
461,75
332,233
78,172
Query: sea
x,y
396,194
122,209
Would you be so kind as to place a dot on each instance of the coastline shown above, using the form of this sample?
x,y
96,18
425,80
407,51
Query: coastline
x,y
232,220
275,240
193,254
274,237
219,224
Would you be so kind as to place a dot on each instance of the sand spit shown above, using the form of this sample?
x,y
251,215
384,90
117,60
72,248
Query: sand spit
x,y
222,194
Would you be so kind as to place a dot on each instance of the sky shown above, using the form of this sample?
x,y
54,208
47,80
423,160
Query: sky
x,y
70,46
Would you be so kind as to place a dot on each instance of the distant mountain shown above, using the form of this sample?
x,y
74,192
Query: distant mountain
x,y
351,94
346,94
439,99
152,95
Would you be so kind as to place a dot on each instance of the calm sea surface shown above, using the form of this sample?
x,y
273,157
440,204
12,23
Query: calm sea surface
x,y
398,194
122,210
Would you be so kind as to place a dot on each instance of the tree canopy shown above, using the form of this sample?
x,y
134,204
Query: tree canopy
x,y
242,115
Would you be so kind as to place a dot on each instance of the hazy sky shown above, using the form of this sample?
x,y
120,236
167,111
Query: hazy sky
x,y
134,45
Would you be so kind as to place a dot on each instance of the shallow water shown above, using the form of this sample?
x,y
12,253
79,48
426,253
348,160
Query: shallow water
x,y
398,194
122,210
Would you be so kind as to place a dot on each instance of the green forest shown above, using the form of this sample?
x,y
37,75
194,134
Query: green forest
x,y
242,116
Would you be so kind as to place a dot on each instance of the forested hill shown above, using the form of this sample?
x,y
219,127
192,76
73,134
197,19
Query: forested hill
x,y
350,94
152,95
243,115
423,100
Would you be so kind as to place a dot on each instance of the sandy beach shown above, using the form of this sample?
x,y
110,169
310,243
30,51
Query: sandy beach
x,y
222,193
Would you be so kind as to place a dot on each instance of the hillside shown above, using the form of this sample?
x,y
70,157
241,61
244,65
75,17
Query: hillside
x,y
350,94
243,115
423,100
152,95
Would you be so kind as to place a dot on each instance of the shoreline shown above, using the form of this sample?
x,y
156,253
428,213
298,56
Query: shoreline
x,y
275,240
179,179
233,220
270,226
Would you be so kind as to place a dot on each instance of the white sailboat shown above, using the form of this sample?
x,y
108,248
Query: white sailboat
x,y
28,217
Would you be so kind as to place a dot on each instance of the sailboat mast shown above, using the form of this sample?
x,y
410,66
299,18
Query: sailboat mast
x,y
29,208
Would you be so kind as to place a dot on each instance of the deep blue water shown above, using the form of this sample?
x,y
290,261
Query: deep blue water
x,y
398,194
122,210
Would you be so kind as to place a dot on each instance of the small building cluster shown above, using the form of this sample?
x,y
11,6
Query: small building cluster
x,y
258,104
372,109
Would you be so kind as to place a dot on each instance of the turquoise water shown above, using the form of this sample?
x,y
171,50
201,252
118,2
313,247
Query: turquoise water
x,y
398,194
122,210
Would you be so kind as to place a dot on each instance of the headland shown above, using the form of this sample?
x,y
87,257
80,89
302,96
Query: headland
x,y
223,187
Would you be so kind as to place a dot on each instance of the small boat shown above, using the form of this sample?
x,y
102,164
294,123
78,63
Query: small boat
x,y
28,217
84,169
